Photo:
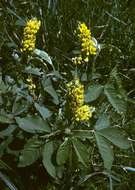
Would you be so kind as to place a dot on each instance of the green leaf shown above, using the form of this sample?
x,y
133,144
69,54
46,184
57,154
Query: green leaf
x,y
56,74
93,92
83,134
76,52
63,152
6,118
43,55
84,77
116,136
96,76
3,87
8,131
116,100
45,113
30,153
47,158
102,122
105,150
19,107
34,71
53,93
33,124
47,85
114,75
20,22
81,151
4,145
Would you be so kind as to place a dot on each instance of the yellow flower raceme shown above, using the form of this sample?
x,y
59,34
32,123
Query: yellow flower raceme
x,y
29,34
79,111
31,85
75,93
87,43
77,60
83,113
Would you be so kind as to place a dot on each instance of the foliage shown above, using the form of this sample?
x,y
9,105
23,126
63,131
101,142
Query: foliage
x,y
40,139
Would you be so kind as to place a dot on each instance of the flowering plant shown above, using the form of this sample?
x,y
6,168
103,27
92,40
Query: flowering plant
x,y
61,118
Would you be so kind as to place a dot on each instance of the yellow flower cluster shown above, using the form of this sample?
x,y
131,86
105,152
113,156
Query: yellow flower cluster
x,y
29,34
88,46
77,60
80,111
31,85
75,93
83,113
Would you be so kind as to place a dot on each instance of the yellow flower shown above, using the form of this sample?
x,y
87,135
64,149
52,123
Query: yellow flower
x,y
83,113
29,34
80,112
88,46
75,93
77,60
31,85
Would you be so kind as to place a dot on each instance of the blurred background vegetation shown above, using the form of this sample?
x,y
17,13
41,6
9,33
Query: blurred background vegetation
x,y
113,24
